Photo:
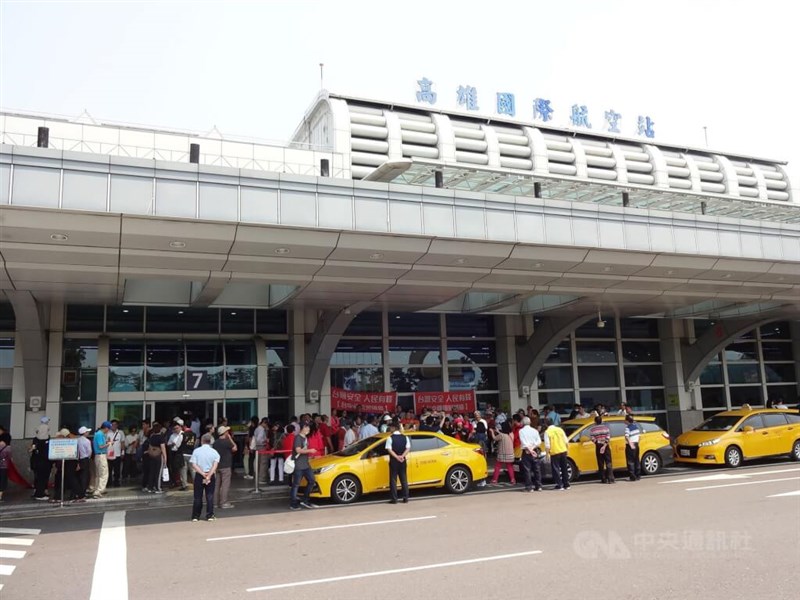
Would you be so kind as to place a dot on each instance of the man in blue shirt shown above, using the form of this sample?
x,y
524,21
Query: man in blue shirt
x,y
632,434
204,461
100,448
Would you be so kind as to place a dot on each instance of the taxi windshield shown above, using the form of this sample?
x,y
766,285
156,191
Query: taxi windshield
x,y
718,423
357,447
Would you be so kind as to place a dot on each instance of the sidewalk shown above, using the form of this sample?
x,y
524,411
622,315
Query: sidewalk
x,y
18,501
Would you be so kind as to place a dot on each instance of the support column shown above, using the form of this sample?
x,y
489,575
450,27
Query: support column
x,y
794,329
262,375
31,340
682,413
297,354
103,355
510,400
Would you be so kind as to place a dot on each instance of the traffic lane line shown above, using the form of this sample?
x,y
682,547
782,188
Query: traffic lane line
x,y
111,566
786,494
19,531
724,476
12,541
713,487
454,563
309,529
12,553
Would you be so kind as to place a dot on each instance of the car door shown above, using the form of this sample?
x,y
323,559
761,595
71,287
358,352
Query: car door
x,y
581,451
617,443
777,430
427,459
375,465
753,437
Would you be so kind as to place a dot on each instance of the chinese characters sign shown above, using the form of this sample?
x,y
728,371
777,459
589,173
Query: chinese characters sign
x,y
461,402
466,97
370,402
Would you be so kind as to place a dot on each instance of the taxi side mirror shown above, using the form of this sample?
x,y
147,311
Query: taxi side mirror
x,y
748,429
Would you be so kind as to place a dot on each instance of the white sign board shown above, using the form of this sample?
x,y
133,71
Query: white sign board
x,y
63,449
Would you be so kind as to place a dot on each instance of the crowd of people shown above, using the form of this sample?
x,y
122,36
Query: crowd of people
x,y
161,455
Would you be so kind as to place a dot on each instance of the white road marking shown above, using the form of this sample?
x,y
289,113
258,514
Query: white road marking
x,y
293,531
12,541
7,569
795,493
12,553
111,566
718,477
454,563
773,471
712,487
14,530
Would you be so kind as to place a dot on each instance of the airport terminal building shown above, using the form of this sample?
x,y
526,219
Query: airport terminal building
x,y
387,248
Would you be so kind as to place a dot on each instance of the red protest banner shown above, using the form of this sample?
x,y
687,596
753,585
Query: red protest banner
x,y
371,402
461,402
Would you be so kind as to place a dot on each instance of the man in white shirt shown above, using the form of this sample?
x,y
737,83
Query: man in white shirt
x,y
116,443
177,464
531,442
398,446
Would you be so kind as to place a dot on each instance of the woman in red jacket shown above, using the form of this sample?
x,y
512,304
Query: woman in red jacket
x,y
315,439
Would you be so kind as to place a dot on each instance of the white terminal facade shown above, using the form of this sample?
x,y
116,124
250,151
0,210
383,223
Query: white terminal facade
x,y
387,248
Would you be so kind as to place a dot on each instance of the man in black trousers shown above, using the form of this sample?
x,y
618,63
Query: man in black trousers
x,y
398,446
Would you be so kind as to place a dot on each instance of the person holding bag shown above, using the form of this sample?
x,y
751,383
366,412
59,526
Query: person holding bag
x,y
156,456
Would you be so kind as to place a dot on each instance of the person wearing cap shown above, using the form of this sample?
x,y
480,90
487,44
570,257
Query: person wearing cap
x,y
632,433
115,455
177,465
302,468
386,422
205,462
530,463
398,446
100,445
84,463
225,447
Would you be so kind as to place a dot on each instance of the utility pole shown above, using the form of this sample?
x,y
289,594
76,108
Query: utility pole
x,y
321,79
705,134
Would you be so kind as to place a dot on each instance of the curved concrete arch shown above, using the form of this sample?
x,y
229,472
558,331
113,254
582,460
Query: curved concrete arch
x,y
31,333
696,356
547,335
329,330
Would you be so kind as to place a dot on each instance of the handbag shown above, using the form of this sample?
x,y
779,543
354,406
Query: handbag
x,y
165,474
289,465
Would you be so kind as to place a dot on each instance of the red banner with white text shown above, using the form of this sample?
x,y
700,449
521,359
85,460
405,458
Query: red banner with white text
x,y
370,402
460,402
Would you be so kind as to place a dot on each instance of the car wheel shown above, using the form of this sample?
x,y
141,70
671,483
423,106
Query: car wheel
x,y
733,456
651,463
458,480
346,489
572,470
796,450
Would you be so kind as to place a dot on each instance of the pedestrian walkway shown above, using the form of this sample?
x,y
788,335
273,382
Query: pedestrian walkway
x,y
19,503
13,542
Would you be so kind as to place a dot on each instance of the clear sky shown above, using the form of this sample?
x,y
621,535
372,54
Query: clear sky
x,y
252,68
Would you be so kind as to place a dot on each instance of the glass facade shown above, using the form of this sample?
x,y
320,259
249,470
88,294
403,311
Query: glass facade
x,y
757,367
408,354
621,361
6,379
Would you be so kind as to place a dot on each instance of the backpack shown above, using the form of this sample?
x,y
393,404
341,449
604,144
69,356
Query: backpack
x,y
189,442
480,427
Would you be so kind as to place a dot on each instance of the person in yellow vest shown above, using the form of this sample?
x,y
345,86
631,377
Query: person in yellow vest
x,y
555,444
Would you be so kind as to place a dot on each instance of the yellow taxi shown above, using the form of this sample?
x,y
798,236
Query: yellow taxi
x,y
655,449
435,460
733,436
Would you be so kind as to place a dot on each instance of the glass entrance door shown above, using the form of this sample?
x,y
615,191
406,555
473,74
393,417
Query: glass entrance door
x,y
127,413
219,411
